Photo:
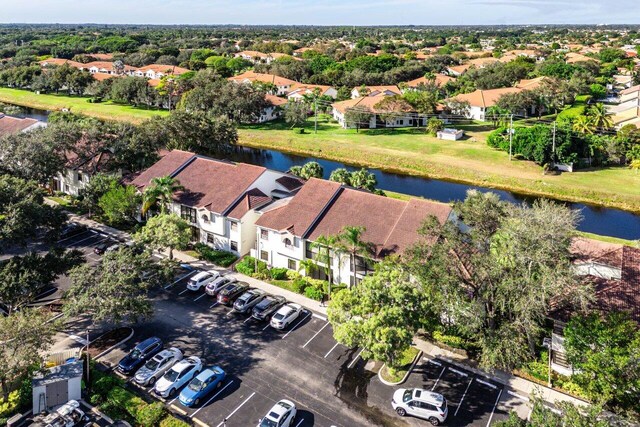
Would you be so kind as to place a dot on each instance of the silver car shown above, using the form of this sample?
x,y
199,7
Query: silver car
x,y
157,366
216,285
247,300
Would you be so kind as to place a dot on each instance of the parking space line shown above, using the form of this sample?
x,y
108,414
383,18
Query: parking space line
x,y
494,408
265,328
444,368
174,399
519,396
179,410
299,422
86,238
248,318
296,325
213,397
435,362
461,400
332,348
236,410
214,304
203,294
355,359
317,316
71,237
185,290
488,384
464,374
316,334
184,276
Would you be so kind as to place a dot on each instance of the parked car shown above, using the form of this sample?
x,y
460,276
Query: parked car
x,y
216,285
285,315
68,415
231,291
139,355
269,305
72,229
101,248
420,403
203,384
246,301
179,374
202,279
157,366
281,414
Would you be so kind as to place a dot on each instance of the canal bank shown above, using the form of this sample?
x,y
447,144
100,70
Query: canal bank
x,y
599,220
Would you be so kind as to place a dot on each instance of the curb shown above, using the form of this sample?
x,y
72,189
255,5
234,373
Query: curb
x,y
115,345
413,364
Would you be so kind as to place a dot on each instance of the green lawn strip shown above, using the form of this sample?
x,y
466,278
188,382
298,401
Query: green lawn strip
x,y
608,239
394,375
78,104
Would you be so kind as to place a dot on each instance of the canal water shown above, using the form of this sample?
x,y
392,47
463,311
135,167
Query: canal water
x,y
598,220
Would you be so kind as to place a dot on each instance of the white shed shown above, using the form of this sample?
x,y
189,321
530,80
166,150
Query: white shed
x,y
450,134
56,386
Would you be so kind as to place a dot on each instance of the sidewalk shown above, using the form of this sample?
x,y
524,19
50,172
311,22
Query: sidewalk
x,y
517,385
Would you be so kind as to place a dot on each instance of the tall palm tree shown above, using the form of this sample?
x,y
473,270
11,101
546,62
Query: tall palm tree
x,y
600,117
160,192
325,245
583,124
350,240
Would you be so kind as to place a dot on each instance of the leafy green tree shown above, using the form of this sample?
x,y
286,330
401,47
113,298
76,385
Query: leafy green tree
x,y
497,279
113,291
24,214
381,315
120,204
434,125
569,415
25,336
160,193
597,91
341,175
165,231
22,278
326,253
357,117
605,352
98,186
295,113
423,101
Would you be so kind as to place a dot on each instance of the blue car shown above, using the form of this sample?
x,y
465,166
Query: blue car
x,y
199,387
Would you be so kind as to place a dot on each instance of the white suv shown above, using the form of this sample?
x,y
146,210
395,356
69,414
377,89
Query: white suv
x,y
421,404
201,279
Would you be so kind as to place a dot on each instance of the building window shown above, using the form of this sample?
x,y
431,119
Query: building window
x,y
287,243
211,239
264,255
264,234
234,246
188,214
79,176
363,265
292,264
234,226
205,218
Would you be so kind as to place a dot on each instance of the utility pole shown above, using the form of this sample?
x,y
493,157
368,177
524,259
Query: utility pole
x,y
553,149
510,136
315,111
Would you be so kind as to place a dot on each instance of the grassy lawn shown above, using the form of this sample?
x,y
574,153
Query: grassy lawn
x,y
576,109
395,375
78,105
411,151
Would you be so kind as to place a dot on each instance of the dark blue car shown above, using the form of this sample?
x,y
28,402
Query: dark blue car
x,y
139,355
199,387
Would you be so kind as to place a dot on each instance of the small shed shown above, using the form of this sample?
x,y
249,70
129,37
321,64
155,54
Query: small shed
x,y
450,134
56,386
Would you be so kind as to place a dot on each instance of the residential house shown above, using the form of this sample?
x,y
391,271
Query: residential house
x,y
613,271
400,113
282,86
288,228
259,57
157,71
220,197
82,164
59,61
10,124
458,70
299,90
387,90
273,110
439,80
574,57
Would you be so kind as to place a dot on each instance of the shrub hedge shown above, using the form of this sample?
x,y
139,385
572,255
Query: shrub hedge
x,y
218,257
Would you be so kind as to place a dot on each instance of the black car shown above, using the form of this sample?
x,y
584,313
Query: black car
x,y
265,308
139,355
230,292
72,229
101,248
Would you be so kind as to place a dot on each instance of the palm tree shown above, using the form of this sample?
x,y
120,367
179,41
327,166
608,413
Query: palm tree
x,y
325,245
583,124
308,266
600,117
350,240
160,192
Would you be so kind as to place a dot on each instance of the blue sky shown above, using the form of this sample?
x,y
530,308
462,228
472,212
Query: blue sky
x,y
322,12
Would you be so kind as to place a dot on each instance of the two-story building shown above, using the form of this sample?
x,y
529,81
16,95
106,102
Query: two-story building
x,y
288,228
282,86
220,197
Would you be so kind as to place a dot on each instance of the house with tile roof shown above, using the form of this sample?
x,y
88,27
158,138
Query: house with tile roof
x,y
287,228
299,90
220,198
386,90
438,80
283,86
401,113
10,124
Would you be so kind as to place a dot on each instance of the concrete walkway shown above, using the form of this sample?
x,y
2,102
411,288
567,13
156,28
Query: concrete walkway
x,y
516,384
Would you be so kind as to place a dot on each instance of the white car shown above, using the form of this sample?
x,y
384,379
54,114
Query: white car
x,y
281,414
202,279
157,366
215,285
285,315
179,374
420,404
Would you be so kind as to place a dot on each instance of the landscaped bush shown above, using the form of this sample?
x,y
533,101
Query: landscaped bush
x,y
105,384
218,257
293,275
299,284
278,273
246,266
149,415
172,422
453,341
144,414
538,368
313,293
10,407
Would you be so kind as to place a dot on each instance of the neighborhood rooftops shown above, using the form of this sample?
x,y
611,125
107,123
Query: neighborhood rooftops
x,y
9,124
325,208
251,76
371,103
440,80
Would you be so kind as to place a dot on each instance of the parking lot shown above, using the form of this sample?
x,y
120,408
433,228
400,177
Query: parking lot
x,y
330,384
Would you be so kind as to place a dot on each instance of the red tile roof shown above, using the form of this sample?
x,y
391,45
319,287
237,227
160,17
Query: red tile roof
x,y
9,124
166,166
290,182
252,199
